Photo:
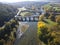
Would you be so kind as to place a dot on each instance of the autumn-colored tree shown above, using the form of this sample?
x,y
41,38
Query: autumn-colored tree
x,y
41,17
43,32
51,17
58,19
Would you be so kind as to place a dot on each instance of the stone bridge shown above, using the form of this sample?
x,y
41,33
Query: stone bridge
x,y
30,18
34,17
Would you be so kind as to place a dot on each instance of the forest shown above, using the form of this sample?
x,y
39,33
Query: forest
x,y
6,13
49,25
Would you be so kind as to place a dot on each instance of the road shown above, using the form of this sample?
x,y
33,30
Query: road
x,y
29,37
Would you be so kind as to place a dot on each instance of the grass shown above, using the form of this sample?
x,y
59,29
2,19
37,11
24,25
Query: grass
x,y
49,22
26,14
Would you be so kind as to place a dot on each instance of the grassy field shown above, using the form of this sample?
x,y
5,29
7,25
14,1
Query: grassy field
x,y
26,13
48,22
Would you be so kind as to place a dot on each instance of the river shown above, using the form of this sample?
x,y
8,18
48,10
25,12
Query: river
x,y
29,37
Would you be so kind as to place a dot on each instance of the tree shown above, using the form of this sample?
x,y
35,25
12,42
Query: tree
x,y
41,17
58,19
51,17
9,31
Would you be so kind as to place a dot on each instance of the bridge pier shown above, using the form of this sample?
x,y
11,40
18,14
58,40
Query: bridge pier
x,y
25,19
29,18
33,18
